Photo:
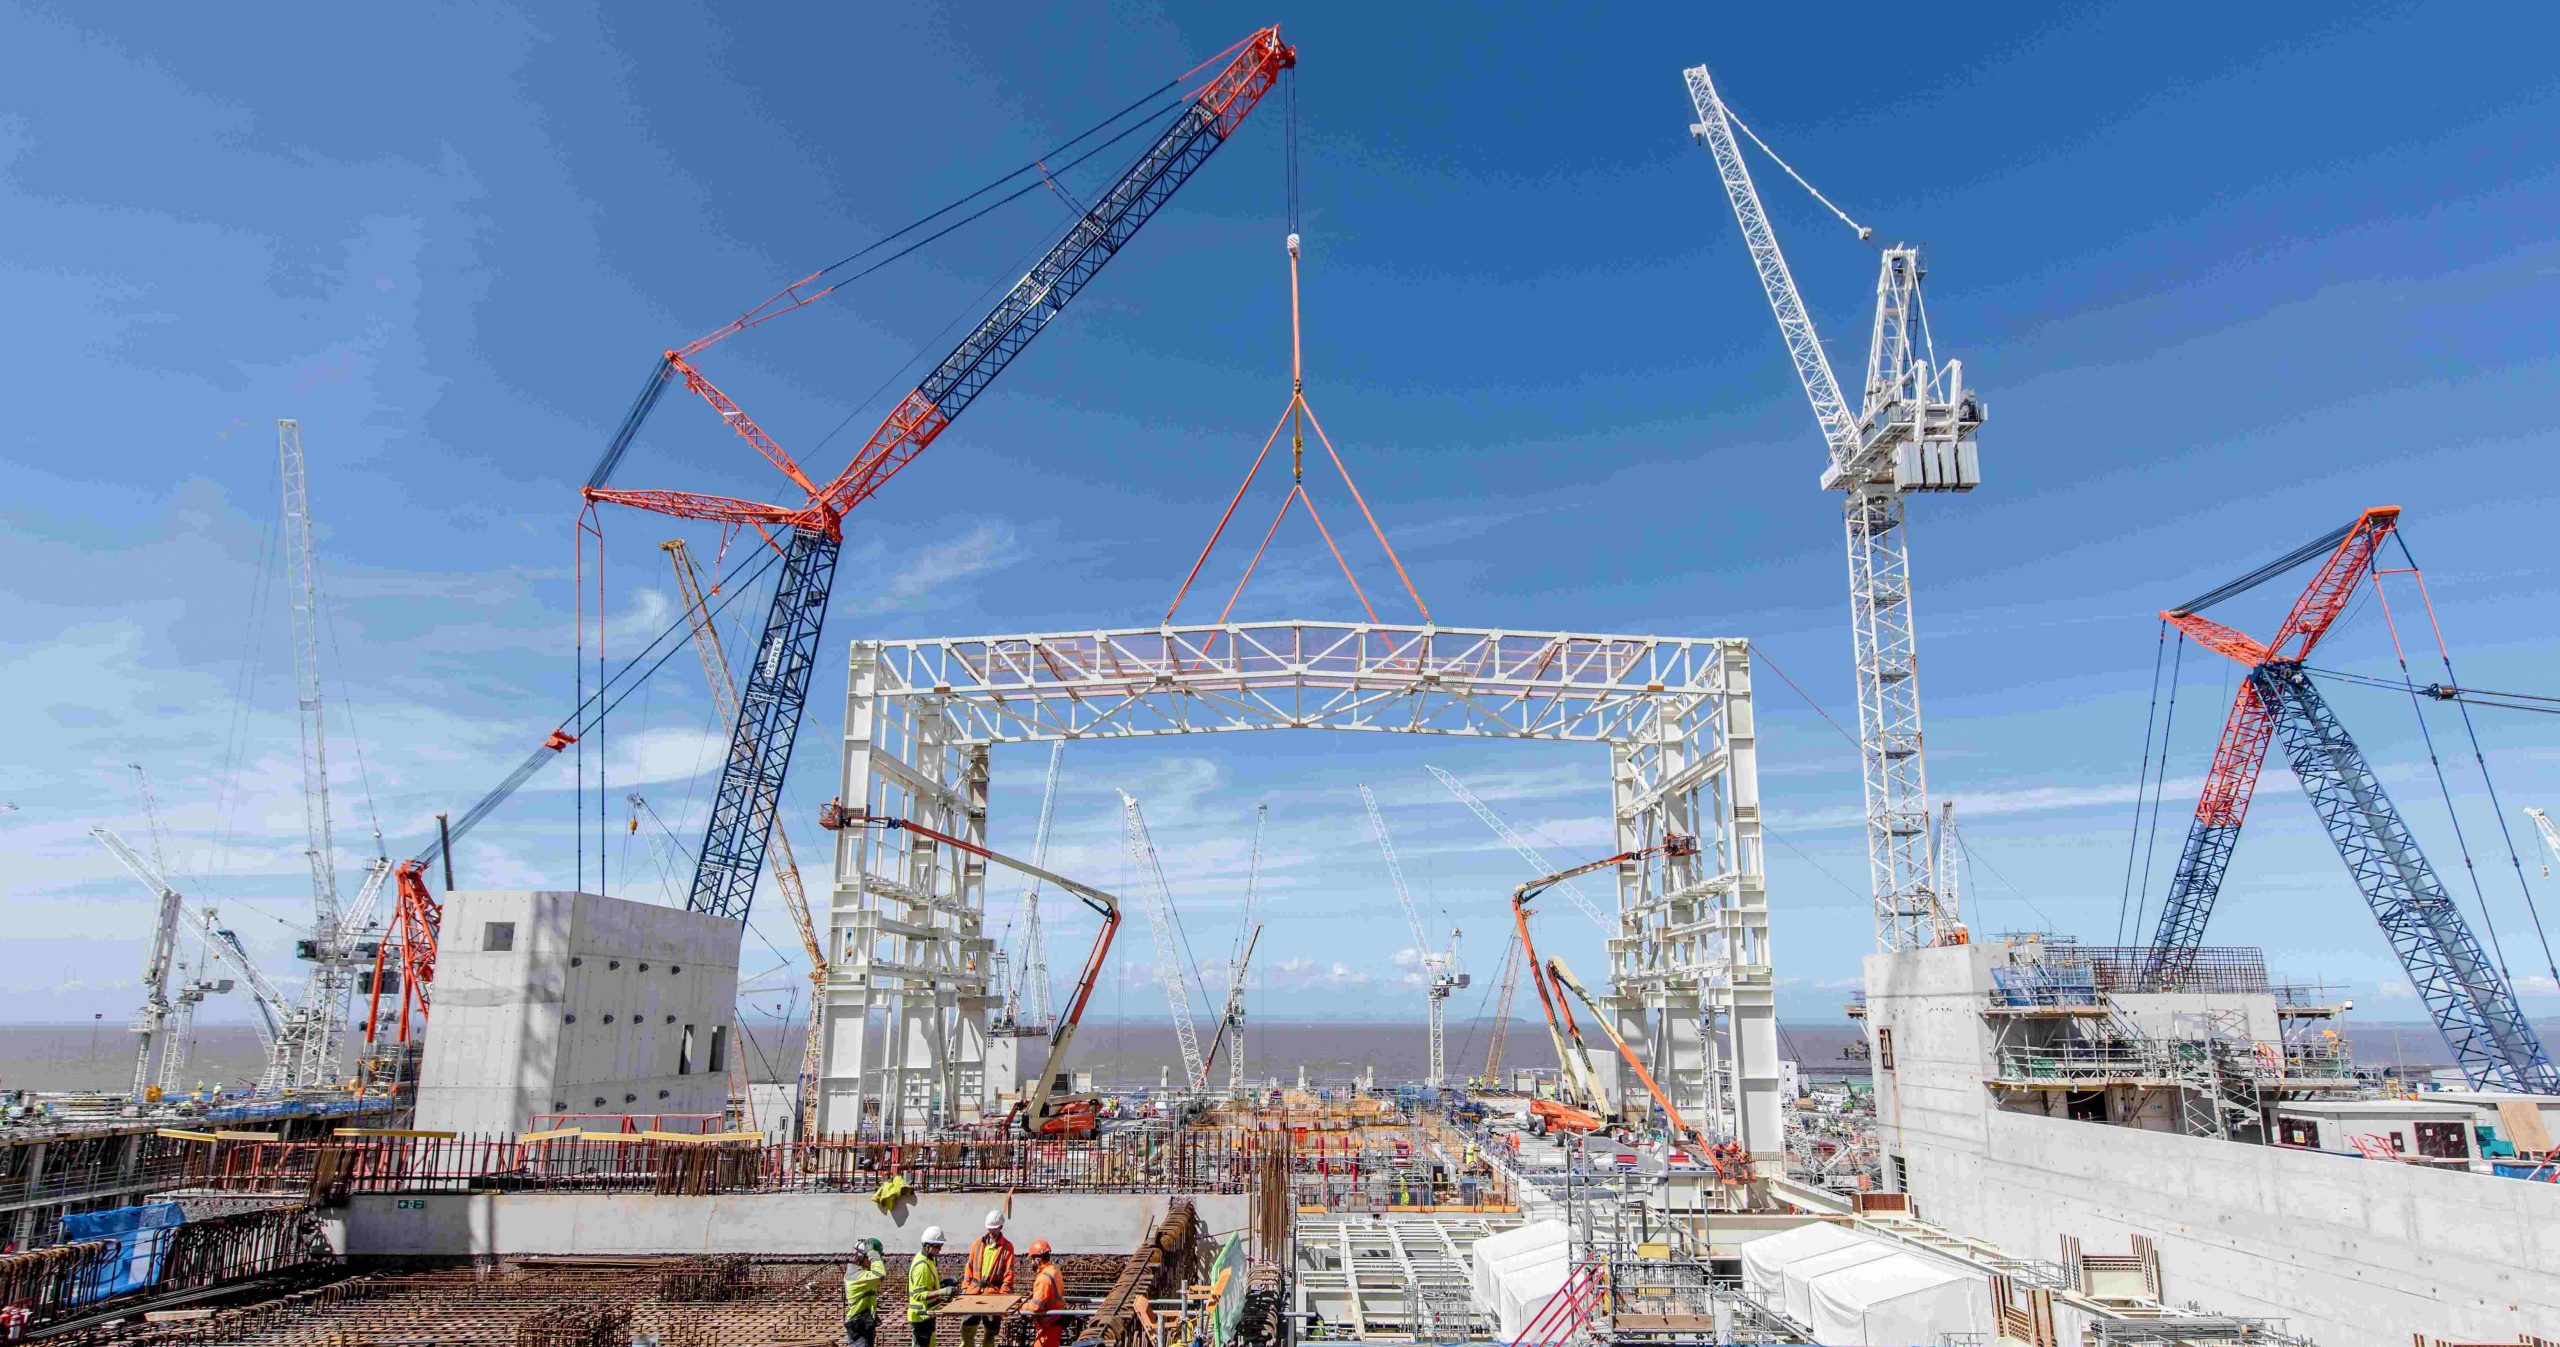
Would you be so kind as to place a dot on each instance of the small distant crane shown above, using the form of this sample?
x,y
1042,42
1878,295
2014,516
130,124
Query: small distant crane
x,y
1177,988
1248,934
1027,999
2550,835
1439,967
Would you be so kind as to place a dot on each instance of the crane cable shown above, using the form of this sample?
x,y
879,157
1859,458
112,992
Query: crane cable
x,y
2141,779
2444,654
1735,118
2444,789
2159,787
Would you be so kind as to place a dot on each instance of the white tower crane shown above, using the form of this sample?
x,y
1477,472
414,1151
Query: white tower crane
x,y
165,1016
331,947
1030,994
1248,933
1440,974
1177,990
2550,835
1913,431
1537,863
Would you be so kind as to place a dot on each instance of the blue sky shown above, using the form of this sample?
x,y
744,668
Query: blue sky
x,y
2224,276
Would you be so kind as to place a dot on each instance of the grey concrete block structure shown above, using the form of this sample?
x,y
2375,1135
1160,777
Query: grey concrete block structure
x,y
553,1003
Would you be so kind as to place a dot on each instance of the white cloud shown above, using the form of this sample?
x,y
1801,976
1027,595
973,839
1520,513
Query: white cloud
x,y
988,547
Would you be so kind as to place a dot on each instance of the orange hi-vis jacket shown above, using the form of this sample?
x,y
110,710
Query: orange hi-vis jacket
x,y
990,1265
1048,1295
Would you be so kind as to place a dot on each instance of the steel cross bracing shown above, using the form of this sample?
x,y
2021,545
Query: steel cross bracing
x,y
1691,961
1169,961
1912,432
1248,933
2469,997
778,682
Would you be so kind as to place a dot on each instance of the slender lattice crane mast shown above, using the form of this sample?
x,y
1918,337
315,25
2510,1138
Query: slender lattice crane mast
x,y
1246,935
1030,996
1439,968
2550,835
333,979
1913,432
1142,851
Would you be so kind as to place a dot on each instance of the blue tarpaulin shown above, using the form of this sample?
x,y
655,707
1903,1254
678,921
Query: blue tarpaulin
x,y
144,1233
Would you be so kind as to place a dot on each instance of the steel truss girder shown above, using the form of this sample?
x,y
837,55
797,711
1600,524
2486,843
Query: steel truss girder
x,y
2470,999
732,860
911,965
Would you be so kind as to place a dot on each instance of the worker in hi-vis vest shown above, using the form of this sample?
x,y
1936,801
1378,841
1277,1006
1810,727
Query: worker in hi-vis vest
x,y
864,1279
924,1287
1048,1296
989,1271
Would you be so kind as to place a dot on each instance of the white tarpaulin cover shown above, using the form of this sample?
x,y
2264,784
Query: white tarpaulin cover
x,y
1898,1300
1764,1260
1517,1272
1802,1275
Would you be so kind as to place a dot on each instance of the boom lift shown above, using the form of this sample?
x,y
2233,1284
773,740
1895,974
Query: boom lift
x,y
1586,1108
2466,993
1048,1110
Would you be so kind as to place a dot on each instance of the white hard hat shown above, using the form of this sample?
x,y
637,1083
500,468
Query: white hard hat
x,y
932,1235
995,1220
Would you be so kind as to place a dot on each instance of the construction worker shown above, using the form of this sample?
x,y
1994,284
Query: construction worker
x,y
863,1279
1048,1296
989,1271
925,1290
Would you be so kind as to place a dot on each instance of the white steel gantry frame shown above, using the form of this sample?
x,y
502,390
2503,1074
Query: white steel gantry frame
x,y
1914,432
1691,954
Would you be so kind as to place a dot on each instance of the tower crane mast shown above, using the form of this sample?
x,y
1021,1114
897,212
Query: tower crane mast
x,y
153,1020
1439,967
1248,934
1142,851
1030,996
1912,432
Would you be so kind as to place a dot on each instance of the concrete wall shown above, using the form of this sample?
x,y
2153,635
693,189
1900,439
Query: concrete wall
x,y
2351,1252
585,1010
768,1223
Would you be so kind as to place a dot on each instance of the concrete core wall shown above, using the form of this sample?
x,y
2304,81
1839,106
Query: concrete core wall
x,y
550,1003
460,1224
2350,1252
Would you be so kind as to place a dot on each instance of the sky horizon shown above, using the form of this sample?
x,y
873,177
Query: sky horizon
x,y
2214,308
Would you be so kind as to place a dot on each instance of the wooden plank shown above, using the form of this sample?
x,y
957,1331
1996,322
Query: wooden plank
x,y
228,1135
2521,1120
395,1132
993,1302
180,1134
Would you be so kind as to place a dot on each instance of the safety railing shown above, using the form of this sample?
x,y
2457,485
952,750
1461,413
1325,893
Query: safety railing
x,y
105,1276
1190,1161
